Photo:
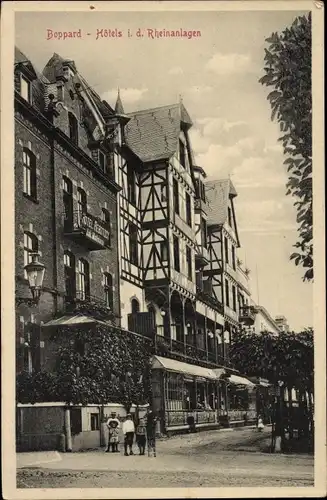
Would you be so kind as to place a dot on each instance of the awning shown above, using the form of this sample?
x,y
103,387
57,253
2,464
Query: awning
x,y
73,320
180,367
237,380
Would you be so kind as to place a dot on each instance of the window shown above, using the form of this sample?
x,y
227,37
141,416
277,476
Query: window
x,y
176,253
67,201
106,219
29,165
230,216
133,253
234,297
25,88
197,188
108,290
131,187
188,210
31,244
226,250
95,422
102,161
182,153
135,306
73,128
203,232
227,292
163,192
81,201
233,257
175,196
203,192
70,275
164,250
189,262
83,279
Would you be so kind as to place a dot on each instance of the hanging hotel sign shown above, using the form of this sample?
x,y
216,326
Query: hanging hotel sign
x,y
95,231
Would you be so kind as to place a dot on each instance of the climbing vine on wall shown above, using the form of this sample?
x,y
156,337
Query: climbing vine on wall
x,y
93,365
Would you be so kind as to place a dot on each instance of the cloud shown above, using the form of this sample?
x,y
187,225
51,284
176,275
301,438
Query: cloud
x,y
228,64
176,70
128,95
255,172
266,216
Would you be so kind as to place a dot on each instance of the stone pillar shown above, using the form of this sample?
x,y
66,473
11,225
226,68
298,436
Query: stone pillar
x,y
68,432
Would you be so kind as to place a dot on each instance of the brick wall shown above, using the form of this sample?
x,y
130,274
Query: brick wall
x,y
38,218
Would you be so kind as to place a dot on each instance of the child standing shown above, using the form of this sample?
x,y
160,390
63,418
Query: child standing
x,y
113,429
141,436
260,423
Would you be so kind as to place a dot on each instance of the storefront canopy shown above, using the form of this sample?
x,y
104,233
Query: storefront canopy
x,y
180,367
237,380
72,320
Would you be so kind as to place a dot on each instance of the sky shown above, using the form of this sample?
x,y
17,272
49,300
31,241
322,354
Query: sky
x,y
216,75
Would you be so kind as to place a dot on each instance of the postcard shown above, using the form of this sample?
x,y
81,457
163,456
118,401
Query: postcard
x,y
163,313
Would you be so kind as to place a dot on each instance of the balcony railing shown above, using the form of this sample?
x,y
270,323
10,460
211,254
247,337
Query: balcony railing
x,y
186,351
87,229
83,302
247,315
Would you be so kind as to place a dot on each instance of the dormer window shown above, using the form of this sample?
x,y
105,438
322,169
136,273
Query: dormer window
x,y
25,88
182,153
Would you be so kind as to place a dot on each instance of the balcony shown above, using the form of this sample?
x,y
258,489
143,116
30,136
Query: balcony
x,y
204,293
247,315
201,257
88,304
187,352
87,230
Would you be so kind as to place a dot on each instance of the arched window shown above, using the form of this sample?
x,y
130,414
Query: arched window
x,y
70,275
73,127
108,290
31,244
135,306
106,219
83,279
81,201
29,166
67,196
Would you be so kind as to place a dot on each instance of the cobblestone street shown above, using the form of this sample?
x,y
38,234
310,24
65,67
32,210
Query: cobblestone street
x,y
212,459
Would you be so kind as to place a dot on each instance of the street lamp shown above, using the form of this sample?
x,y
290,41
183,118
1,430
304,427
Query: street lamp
x,y
35,273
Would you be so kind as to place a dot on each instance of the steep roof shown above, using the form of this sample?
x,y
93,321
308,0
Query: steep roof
x,y
217,194
153,134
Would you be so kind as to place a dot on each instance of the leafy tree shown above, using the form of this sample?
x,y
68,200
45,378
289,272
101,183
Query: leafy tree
x,y
288,72
287,357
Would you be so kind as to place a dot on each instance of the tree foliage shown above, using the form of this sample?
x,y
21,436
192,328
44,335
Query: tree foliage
x,y
287,357
288,71
98,365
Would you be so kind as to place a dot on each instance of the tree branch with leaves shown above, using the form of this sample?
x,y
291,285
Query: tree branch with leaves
x,y
288,72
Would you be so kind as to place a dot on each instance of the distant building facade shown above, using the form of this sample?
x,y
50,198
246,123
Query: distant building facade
x,y
282,323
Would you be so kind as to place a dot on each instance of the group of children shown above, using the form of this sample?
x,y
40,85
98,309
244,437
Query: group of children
x,y
145,432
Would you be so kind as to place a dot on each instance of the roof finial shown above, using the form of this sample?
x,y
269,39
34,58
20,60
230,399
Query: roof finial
x,y
119,109
180,99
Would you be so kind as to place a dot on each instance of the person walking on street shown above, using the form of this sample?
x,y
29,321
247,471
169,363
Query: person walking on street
x,y
128,431
113,425
141,436
151,423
